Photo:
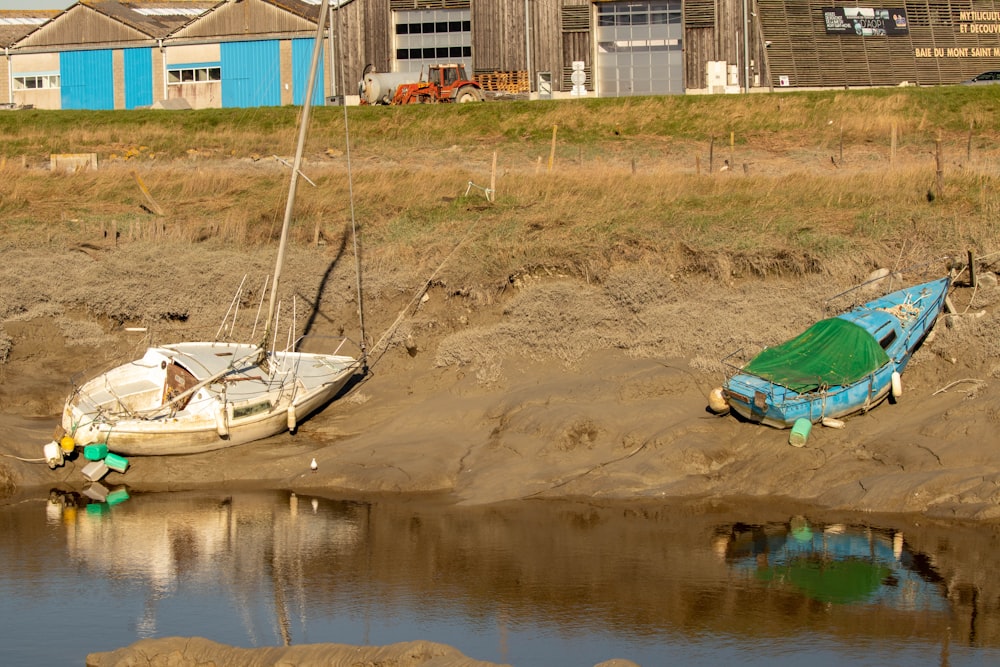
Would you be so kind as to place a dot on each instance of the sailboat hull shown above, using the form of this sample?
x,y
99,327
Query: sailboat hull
x,y
140,408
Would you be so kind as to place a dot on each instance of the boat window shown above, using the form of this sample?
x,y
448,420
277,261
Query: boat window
x,y
887,340
252,409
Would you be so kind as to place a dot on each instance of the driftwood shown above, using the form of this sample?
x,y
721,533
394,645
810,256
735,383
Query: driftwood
x,y
979,383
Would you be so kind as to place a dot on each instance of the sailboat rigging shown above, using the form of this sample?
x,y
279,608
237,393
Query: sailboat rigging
x,y
192,397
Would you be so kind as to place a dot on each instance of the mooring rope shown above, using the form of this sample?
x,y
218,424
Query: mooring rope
x,y
21,458
350,191
908,269
423,289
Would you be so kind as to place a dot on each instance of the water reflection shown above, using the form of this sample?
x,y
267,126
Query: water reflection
x,y
836,563
536,583
235,543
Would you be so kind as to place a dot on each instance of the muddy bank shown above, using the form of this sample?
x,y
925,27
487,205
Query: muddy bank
x,y
198,651
547,387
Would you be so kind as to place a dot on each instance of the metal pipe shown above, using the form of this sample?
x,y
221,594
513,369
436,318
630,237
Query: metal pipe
x,y
527,40
10,76
163,70
334,87
746,47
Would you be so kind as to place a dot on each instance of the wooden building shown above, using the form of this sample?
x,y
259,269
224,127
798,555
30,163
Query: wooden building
x,y
823,44
123,54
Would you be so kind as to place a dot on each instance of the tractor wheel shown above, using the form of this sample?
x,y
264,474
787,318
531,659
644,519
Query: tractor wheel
x,y
469,94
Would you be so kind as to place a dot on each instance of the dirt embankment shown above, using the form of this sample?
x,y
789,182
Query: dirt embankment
x,y
548,386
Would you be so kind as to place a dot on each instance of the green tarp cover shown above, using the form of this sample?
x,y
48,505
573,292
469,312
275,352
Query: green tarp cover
x,y
829,353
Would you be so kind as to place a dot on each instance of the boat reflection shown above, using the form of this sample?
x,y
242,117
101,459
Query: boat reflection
x,y
836,563
236,543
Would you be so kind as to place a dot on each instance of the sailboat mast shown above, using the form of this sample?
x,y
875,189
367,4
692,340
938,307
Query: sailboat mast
x,y
296,165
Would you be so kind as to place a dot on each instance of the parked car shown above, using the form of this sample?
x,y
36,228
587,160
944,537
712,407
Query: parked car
x,y
984,78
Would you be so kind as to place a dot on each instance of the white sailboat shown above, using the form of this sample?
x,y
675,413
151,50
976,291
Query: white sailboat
x,y
193,397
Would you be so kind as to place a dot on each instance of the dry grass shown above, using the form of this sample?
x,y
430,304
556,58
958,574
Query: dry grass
x,y
814,181
578,218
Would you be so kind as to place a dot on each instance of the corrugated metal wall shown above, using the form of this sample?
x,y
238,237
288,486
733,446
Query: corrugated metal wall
x,y
87,79
302,50
138,78
251,74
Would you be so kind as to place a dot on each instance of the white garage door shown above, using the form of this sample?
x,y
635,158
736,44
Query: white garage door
x,y
639,48
433,37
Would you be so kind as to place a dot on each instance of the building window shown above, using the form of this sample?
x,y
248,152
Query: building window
x,y
36,81
181,75
431,37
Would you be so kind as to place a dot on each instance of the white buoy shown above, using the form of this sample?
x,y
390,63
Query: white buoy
x,y
53,454
830,422
222,421
717,401
313,466
897,385
291,419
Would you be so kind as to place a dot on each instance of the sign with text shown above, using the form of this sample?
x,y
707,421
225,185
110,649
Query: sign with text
x,y
865,21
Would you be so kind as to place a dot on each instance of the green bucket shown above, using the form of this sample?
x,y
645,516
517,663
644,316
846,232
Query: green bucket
x,y
800,432
116,463
95,452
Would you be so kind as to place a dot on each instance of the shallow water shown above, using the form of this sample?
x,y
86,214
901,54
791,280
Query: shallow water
x,y
534,583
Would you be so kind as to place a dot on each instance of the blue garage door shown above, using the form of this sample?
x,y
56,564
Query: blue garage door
x,y
302,50
138,78
87,80
251,74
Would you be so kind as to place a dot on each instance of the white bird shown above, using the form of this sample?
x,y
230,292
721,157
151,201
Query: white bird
x,y
313,466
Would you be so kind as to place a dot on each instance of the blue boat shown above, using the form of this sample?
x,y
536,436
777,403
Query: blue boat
x,y
839,366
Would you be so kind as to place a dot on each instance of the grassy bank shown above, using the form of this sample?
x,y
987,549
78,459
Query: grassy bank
x,y
726,185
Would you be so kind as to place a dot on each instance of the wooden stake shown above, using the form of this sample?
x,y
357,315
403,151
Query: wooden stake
x,y
493,178
972,270
940,166
552,151
892,146
153,206
968,147
711,156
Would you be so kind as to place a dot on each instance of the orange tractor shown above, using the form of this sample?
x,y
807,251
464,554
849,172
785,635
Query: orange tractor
x,y
443,83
